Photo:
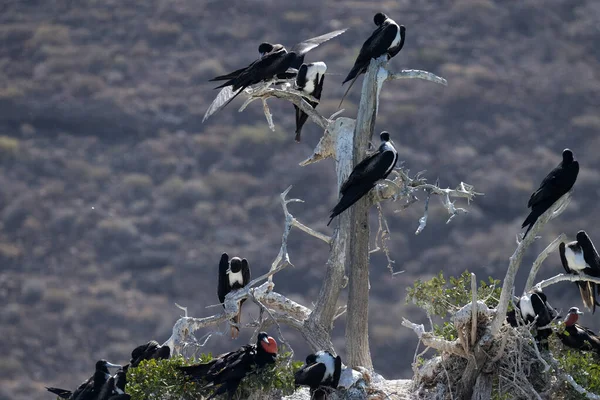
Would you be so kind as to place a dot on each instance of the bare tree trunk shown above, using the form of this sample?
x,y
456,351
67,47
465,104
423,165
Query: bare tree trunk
x,y
357,321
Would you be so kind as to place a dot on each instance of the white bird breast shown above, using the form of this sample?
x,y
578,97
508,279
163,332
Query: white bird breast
x,y
526,307
397,39
235,277
313,72
575,259
328,361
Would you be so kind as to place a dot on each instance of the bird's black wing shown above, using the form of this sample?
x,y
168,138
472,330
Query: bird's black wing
x,y
245,271
310,375
590,255
373,168
231,75
108,389
62,393
338,372
223,287
563,258
555,184
309,44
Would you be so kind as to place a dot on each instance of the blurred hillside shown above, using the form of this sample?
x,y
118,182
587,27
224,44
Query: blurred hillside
x,y
117,201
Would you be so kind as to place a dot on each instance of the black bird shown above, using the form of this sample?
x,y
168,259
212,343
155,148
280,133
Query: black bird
x,y
275,61
388,39
227,371
580,256
114,388
148,351
309,80
558,182
90,388
577,336
534,306
233,275
321,370
365,175
263,49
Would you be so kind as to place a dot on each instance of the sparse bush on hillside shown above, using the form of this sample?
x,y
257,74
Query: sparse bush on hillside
x,y
9,147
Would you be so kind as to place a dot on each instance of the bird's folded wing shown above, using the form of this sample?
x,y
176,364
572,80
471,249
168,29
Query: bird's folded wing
x,y
221,100
309,374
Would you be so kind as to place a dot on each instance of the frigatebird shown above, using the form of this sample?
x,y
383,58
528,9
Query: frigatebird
x,y
114,387
227,371
233,275
90,388
275,61
577,336
580,256
558,182
388,39
320,371
365,175
310,81
149,351
534,306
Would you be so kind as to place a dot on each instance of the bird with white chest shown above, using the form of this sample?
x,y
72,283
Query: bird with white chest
x,y
234,274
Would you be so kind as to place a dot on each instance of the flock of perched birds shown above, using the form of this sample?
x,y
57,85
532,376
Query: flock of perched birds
x,y
322,370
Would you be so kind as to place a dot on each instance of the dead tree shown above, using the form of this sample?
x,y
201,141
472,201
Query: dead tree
x,y
346,141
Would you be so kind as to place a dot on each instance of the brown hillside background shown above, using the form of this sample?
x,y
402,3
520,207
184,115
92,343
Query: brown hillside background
x,y
116,201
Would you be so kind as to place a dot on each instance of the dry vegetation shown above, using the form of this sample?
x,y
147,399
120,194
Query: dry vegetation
x,y
117,202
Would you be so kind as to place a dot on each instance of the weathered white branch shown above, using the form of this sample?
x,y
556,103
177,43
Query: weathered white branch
x,y
433,341
418,74
566,277
515,260
540,259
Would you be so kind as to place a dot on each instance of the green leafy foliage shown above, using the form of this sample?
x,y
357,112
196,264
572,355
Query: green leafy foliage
x,y
583,366
162,380
440,297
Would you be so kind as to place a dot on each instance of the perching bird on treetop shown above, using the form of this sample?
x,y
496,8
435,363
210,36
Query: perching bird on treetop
x,y
321,371
233,275
388,39
580,256
310,81
558,182
275,61
227,371
366,174
577,336
90,388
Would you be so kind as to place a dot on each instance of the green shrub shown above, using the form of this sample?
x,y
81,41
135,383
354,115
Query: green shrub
x,y
162,380
583,366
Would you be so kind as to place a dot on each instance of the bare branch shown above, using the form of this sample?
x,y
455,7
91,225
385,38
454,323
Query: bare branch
x,y
418,74
540,259
473,309
578,388
566,277
515,260
430,340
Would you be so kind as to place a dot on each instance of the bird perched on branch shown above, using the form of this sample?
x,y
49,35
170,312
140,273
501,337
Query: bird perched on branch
x,y
577,336
580,256
114,387
365,175
149,351
558,182
227,371
320,371
388,39
90,388
534,306
233,275
310,81
275,61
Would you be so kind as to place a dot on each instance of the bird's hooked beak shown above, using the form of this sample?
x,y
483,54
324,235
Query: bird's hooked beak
x,y
579,312
111,365
266,340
